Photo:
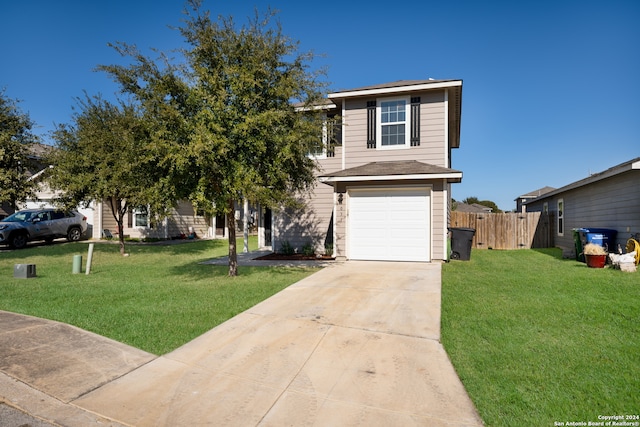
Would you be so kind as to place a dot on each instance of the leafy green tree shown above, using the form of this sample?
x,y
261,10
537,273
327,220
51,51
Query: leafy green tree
x,y
15,139
239,131
105,155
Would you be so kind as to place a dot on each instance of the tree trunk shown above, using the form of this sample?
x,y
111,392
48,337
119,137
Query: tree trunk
x,y
121,234
233,253
119,211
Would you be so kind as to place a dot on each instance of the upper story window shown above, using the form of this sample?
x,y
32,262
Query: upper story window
x,y
393,123
393,118
331,137
317,149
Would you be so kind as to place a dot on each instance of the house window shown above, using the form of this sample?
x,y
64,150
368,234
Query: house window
x,y
560,217
316,149
393,117
331,137
141,216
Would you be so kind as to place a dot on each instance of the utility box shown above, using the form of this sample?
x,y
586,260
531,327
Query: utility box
x,y
24,271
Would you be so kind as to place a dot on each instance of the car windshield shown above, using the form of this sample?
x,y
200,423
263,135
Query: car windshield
x,y
18,217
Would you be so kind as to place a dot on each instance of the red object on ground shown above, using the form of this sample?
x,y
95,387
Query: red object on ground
x,y
596,261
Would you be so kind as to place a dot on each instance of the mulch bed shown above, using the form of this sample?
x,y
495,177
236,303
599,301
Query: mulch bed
x,y
295,257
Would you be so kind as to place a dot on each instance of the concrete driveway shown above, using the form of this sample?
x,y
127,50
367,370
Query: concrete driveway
x,y
356,344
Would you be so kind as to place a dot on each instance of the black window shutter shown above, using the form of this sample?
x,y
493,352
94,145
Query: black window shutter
x,y
415,121
371,124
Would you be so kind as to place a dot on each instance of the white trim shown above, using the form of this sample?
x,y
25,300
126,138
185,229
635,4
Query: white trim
x,y
316,107
324,141
343,136
100,220
406,123
37,174
137,212
335,222
454,175
446,129
388,90
446,206
558,216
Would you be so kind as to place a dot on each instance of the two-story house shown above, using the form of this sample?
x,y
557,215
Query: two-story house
x,y
384,189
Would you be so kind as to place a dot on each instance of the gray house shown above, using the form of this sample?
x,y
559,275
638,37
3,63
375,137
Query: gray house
x,y
609,199
528,197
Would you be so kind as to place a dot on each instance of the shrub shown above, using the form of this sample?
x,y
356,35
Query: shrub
x,y
328,249
308,250
286,248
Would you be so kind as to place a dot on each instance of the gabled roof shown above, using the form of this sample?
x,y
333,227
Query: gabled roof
x,y
393,170
474,208
396,87
38,150
536,193
616,170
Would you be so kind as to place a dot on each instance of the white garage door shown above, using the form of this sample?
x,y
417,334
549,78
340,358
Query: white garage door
x,y
389,224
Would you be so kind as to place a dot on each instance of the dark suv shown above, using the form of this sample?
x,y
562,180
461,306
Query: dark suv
x,y
41,224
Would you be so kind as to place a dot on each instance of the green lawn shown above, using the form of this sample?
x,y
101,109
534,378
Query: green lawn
x,y
537,339
156,299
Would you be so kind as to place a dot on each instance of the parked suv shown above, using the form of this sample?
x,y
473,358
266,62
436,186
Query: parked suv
x,y
41,224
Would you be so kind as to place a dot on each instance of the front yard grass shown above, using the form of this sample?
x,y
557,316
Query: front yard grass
x,y
538,340
156,299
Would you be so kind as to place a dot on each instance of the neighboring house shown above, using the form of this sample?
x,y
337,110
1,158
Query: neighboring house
x,y
609,199
383,191
181,222
521,200
473,208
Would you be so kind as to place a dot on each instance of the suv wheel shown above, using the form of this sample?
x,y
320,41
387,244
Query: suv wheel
x,y
74,234
18,240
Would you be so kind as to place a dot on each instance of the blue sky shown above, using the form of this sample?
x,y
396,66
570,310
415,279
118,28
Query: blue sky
x,y
551,89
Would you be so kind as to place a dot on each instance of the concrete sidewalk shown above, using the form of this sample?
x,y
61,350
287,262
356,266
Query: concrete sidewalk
x,y
355,344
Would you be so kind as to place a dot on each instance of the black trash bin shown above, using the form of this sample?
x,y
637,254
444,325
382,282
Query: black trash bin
x,y
461,239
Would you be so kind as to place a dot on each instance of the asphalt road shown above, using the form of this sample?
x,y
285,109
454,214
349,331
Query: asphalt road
x,y
12,417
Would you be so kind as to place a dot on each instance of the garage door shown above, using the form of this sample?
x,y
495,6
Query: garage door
x,y
389,224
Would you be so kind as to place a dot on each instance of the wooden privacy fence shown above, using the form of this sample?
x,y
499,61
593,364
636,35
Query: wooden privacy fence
x,y
507,230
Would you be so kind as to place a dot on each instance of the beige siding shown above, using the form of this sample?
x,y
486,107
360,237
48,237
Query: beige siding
x,y
177,224
183,217
108,221
438,220
432,149
308,224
